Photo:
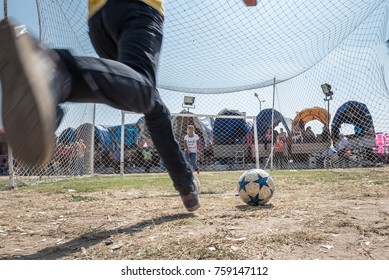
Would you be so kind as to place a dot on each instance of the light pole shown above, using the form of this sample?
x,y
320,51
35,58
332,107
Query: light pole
x,y
328,93
260,101
326,88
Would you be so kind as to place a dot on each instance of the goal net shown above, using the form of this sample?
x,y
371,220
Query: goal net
x,y
303,73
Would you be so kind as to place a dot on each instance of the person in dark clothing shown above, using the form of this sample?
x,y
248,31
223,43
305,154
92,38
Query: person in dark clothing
x,y
127,35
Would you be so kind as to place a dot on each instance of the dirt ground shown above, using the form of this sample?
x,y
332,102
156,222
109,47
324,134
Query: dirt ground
x,y
326,220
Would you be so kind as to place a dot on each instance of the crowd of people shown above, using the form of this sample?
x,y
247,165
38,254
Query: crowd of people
x,y
281,147
71,157
306,135
282,144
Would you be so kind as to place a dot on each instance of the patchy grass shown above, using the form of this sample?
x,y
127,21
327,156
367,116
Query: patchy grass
x,y
103,183
315,214
84,198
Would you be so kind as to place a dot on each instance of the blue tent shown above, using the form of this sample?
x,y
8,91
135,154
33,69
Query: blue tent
x,y
102,137
230,131
67,136
131,133
354,113
264,119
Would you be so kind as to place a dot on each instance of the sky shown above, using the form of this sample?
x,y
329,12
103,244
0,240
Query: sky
x,y
25,11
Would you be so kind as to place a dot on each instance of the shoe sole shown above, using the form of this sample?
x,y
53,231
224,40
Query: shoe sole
x,y
197,206
194,208
28,106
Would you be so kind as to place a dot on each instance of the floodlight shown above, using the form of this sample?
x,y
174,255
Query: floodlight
x,y
189,100
326,88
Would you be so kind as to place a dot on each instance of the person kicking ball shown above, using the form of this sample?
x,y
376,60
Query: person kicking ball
x,y
127,35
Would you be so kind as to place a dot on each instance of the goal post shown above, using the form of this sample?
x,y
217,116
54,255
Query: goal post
x,y
223,156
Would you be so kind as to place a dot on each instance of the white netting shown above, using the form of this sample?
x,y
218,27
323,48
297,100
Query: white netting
x,y
219,46
283,51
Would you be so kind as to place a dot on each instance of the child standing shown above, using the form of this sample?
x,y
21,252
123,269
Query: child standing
x,y
191,144
279,152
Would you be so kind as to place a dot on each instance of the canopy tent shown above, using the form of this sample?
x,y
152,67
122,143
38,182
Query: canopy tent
x,y
203,128
102,137
67,136
264,122
354,113
228,131
309,114
131,134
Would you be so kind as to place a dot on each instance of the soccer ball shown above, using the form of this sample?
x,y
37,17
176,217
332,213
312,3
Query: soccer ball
x,y
256,187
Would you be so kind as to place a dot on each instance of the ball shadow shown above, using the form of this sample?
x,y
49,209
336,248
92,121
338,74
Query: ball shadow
x,y
254,208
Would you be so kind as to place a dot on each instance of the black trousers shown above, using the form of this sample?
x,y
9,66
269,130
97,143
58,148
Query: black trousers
x,y
127,35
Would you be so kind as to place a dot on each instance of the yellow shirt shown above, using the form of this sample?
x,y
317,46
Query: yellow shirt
x,y
95,5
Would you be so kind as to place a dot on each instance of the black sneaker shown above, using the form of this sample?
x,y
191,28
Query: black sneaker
x,y
191,201
29,105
